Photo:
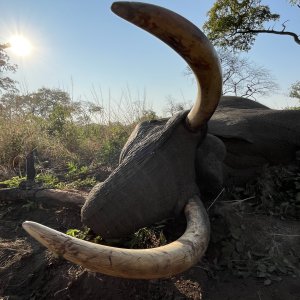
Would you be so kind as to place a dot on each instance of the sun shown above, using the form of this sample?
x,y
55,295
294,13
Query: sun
x,y
20,45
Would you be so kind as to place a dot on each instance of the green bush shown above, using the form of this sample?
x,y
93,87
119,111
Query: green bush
x,y
13,182
117,135
61,131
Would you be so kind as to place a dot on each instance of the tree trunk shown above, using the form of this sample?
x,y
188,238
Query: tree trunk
x,y
67,197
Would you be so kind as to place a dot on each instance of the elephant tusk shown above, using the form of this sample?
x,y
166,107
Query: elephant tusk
x,y
158,262
190,43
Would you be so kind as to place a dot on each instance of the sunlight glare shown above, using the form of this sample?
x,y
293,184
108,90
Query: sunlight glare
x,y
20,45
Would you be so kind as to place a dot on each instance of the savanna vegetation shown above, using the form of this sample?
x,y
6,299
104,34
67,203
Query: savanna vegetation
x,y
66,137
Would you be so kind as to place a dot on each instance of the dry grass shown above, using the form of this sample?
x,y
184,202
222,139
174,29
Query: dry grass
x,y
88,134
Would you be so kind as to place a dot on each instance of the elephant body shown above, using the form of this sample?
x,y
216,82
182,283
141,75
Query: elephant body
x,y
254,136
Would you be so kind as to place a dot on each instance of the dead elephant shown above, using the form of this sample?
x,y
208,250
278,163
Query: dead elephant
x,y
157,176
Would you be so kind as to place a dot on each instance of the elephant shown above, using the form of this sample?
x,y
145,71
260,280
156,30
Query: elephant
x,y
254,136
166,163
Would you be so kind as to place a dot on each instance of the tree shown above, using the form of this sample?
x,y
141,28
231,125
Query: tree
x,y
244,78
236,23
147,115
173,106
295,90
41,103
44,101
295,2
6,84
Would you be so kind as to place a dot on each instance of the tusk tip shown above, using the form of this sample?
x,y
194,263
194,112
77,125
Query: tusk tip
x,y
119,8
128,10
27,225
32,228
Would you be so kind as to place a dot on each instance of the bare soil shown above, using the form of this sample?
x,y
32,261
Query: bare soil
x,y
251,256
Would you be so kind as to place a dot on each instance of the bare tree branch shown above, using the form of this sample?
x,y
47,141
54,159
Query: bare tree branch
x,y
292,34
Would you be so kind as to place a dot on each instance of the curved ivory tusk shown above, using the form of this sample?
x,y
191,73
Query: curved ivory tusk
x,y
159,262
189,42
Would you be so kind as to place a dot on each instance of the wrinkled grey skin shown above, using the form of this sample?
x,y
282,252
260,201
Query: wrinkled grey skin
x,y
154,180
163,164
254,136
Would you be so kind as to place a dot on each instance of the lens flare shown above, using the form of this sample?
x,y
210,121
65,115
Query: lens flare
x,y
20,45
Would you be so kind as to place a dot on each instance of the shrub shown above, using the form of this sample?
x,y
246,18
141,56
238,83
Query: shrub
x,y
116,137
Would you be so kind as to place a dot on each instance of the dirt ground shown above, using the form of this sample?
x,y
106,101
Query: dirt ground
x,y
251,256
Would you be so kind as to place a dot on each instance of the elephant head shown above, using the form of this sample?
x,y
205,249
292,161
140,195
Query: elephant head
x,y
156,177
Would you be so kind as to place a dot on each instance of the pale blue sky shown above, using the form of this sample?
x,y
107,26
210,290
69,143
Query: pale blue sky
x,y
85,43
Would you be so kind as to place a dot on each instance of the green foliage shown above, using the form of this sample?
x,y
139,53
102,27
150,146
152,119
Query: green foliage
x,y
74,170
235,24
295,90
147,238
71,180
45,120
46,102
85,234
148,115
20,134
48,179
295,2
58,119
6,83
13,182
113,144
79,183
41,103
293,108
61,131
